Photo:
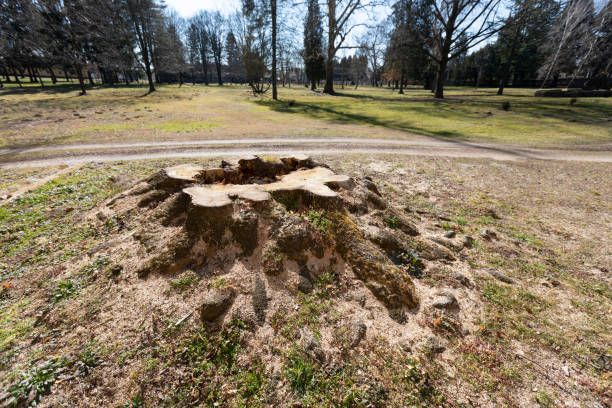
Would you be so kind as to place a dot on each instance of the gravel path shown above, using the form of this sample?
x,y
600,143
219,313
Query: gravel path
x,y
42,156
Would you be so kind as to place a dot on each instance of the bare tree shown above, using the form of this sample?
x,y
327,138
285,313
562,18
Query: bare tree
x,y
215,29
339,26
373,45
455,26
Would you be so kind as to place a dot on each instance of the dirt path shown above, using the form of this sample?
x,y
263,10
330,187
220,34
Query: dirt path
x,y
82,153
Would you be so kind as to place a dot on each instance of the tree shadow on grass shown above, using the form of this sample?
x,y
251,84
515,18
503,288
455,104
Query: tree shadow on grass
x,y
466,105
323,112
61,88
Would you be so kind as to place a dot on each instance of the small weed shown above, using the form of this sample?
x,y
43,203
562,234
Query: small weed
x,y
318,220
250,383
300,372
486,220
412,263
87,360
506,106
326,279
392,221
134,402
573,101
184,282
65,289
461,220
218,283
527,238
91,270
447,226
35,383
544,399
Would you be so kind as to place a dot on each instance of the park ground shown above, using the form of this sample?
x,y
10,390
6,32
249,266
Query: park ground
x,y
542,340
124,114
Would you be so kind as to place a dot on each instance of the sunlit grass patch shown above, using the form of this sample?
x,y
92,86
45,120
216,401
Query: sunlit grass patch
x,y
181,126
12,324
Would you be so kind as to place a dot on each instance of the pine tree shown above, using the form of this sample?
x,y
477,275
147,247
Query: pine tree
x,y
314,60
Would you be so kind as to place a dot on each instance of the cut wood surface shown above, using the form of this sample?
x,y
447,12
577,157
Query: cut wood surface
x,y
315,181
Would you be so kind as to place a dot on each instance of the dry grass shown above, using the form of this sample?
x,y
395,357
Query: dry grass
x,y
553,232
58,116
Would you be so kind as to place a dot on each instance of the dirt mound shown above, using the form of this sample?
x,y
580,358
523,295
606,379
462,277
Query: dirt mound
x,y
276,256
287,222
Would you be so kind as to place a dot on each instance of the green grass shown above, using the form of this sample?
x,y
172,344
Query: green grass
x,y
179,126
300,372
467,114
12,324
40,226
185,281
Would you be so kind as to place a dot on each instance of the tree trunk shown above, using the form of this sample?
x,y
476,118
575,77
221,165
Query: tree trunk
x,y
90,78
401,84
150,78
204,66
441,76
66,75
40,79
219,78
31,75
329,63
52,75
79,72
313,85
273,11
555,80
17,79
502,85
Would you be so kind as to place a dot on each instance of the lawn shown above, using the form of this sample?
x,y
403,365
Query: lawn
x,y
57,115
467,114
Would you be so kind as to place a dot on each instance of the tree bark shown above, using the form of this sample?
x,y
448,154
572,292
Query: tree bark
x,y
329,63
401,84
17,79
52,75
79,72
205,71
31,75
502,85
90,78
273,11
313,85
439,94
218,65
150,78
40,79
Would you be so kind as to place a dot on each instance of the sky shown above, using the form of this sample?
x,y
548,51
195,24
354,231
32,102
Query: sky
x,y
187,8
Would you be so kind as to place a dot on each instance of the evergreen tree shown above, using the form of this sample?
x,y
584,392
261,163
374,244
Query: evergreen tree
x,y
234,60
314,60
